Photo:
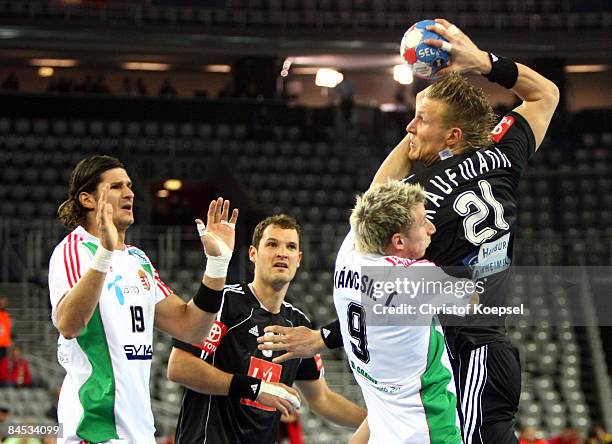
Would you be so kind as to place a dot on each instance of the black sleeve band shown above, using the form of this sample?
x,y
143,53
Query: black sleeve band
x,y
243,386
207,299
331,335
503,71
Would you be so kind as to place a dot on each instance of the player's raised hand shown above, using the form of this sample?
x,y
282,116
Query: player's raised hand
x,y
218,236
465,55
107,231
280,396
298,342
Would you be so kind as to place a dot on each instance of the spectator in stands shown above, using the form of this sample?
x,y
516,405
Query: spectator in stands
x,y
127,88
87,86
6,340
15,370
226,91
529,436
100,86
141,88
602,434
567,436
346,92
65,85
10,83
167,89
53,85
4,416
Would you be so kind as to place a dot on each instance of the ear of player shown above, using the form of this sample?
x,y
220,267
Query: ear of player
x,y
218,237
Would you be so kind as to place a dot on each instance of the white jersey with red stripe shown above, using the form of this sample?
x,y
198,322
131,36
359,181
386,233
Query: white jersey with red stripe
x,y
403,370
105,394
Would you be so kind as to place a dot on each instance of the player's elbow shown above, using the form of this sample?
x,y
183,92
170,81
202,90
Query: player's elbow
x,y
552,94
68,333
68,328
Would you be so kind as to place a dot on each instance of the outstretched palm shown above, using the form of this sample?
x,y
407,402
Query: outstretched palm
x,y
218,227
107,231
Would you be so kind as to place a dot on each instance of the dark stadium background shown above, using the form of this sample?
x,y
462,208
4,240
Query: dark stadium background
x,y
234,126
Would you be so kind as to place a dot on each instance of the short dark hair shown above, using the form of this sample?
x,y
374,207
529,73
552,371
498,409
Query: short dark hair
x,y
85,177
280,220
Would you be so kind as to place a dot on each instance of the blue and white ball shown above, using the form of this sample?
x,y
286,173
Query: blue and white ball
x,y
424,60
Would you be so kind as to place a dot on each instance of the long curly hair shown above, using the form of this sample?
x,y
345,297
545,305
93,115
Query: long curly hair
x,y
84,178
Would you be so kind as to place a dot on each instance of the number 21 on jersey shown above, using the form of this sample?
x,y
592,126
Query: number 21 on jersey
x,y
476,210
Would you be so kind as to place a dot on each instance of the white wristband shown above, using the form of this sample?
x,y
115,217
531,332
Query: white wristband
x,y
216,266
277,390
102,260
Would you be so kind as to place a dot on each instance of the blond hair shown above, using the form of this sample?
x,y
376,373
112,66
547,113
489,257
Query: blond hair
x,y
467,108
382,211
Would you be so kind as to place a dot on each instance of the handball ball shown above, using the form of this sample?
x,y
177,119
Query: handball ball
x,y
424,60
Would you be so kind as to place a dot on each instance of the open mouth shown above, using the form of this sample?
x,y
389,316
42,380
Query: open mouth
x,y
127,207
281,265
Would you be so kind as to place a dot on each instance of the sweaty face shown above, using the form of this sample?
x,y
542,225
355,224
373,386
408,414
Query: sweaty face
x,y
277,256
120,196
427,130
419,235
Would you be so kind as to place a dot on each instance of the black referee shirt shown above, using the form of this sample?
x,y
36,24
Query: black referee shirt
x,y
472,200
232,347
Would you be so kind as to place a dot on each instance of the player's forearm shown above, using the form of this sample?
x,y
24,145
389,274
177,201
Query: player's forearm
x,y
531,86
195,324
78,305
197,375
397,165
198,322
191,322
338,409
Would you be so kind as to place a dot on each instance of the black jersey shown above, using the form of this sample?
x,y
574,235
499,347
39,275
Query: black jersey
x,y
231,346
472,200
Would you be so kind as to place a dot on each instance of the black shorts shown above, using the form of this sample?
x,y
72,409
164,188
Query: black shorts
x,y
488,381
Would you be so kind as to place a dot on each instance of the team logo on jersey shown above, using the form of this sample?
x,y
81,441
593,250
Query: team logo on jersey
x,y
140,352
140,255
213,340
144,280
266,371
118,291
502,128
